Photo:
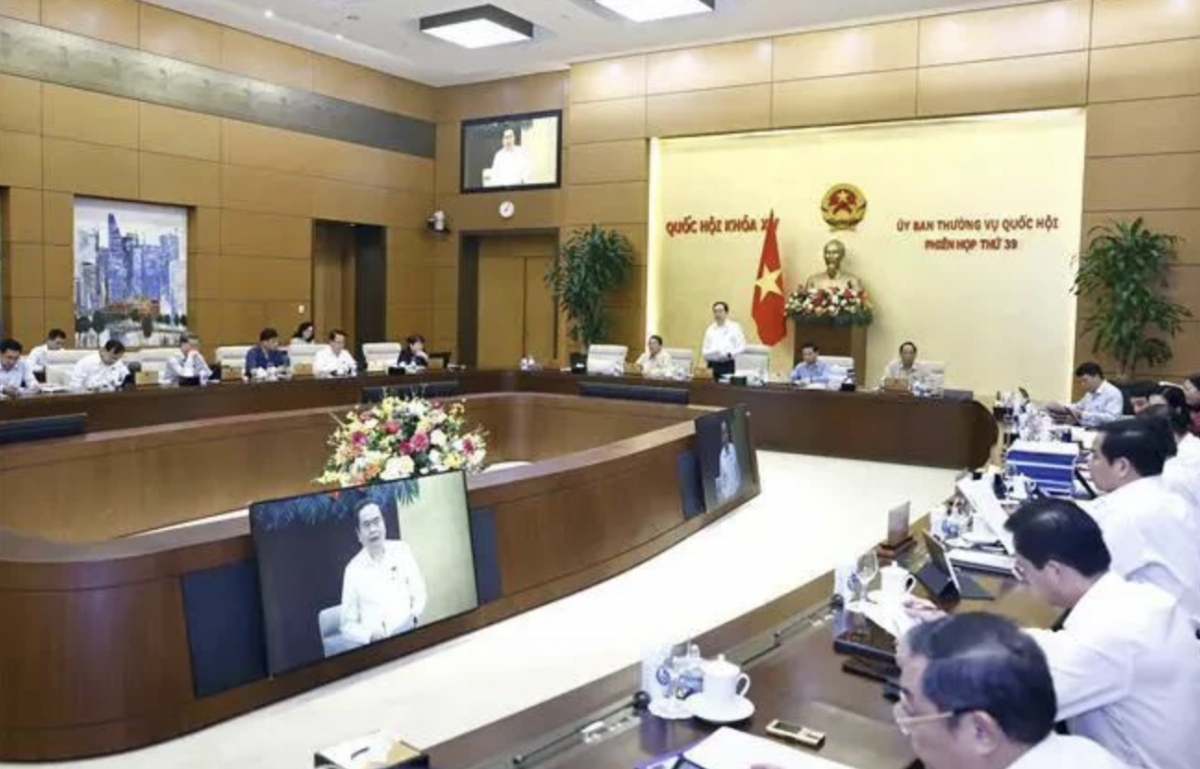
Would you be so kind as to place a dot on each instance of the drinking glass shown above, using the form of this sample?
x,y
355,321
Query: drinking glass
x,y
865,569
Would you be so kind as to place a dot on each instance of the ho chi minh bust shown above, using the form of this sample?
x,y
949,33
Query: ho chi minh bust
x,y
834,277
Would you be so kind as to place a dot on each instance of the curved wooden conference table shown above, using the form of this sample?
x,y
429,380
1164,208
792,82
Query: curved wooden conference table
x,y
101,655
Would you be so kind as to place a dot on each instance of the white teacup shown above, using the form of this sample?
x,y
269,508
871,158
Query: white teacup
x,y
895,582
724,682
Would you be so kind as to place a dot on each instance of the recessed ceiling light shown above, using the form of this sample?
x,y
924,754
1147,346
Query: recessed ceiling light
x,y
652,10
479,27
339,36
269,13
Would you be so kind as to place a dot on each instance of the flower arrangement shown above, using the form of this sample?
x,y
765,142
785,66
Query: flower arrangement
x,y
401,438
830,306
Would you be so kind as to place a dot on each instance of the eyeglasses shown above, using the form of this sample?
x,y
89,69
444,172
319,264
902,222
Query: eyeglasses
x,y
904,719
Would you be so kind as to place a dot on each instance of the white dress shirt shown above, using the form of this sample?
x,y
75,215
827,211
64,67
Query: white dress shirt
x,y
325,363
722,342
1103,405
189,366
1126,669
1153,536
37,357
895,370
729,478
385,596
1060,751
658,366
510,167
20,377
91,373
1182,473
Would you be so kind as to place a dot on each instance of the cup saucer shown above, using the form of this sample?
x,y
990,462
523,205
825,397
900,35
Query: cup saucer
x,y
880,597
726,712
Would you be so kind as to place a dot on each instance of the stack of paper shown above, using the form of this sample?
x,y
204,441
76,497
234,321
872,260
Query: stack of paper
x,y
731,749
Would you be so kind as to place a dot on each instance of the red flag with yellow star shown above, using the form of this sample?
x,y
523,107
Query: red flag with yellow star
x,y
767,309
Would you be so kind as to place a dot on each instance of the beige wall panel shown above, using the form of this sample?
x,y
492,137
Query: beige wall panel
x,y
407,172
1001,86
1184,224
20,160
60,313
627,161
250,234
23,223
408,209
113,20
354,203
1003,33
25,273
182,181
445,330
624,203
178,36
247,278
1146,182
357,164
448,167
631,293
1185,286
849,51
1121,22
745,108
710,66
266,59
68,113
255,189
850,99
537,209
58,271
28,319
1145,71
412,246
204,230
257,146
89,169
627,326
58,218
204,276
1144,127
411,282
403,320
25,10
609,79
519,94
285,315
178,132
445,286
606,121
343,80
204,318
240,322
20,105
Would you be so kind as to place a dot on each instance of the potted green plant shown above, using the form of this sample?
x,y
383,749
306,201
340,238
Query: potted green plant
x,y
1123,274
591,264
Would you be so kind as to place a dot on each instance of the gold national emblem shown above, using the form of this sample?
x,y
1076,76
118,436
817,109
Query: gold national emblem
x,y
844,206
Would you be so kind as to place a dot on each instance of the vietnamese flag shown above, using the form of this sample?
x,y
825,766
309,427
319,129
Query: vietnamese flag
x,y
767,309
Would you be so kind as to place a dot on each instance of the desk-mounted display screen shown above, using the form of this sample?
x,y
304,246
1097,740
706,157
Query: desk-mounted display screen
x,y
723,442
512,152
343,569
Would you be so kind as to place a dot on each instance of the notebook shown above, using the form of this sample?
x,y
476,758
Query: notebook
x,y
733,749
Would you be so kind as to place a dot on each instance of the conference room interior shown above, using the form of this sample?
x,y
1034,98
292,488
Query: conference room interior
x,y
355,169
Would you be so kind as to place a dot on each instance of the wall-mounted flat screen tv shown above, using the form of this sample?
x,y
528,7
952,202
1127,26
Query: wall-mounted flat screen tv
x,y
513,152
343,569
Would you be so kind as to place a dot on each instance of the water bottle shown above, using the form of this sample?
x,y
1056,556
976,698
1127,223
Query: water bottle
x,y
691,672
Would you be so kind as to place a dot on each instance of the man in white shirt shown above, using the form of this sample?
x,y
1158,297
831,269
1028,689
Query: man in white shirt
x,y
1126,663
655,362
1101,402
510,165
55,340
729,473
333,359
905,368
723,340
976,693
383,592
1152,533
188,363
16,375
1181,474
101,370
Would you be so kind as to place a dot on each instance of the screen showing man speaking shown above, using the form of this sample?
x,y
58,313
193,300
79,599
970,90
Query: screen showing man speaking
x,y
341,570
518,151
723,442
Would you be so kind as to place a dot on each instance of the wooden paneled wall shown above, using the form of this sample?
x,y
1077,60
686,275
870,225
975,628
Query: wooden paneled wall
x,y
254,190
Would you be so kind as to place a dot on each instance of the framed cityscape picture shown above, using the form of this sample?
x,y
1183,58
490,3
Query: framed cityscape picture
x,y
130,273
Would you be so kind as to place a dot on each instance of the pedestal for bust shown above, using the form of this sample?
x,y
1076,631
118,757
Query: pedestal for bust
x,y
849,341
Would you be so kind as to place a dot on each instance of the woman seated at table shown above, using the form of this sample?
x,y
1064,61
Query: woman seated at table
x,y
655,361
306,333
413,355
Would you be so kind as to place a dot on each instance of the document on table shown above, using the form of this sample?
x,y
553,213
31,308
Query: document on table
x,y
891,616
732,749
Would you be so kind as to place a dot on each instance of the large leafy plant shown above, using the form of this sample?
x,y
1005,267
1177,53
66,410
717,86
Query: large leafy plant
x,y
591,264
1123,275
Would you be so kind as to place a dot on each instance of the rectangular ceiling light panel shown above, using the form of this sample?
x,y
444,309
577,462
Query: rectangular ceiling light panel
x,y
479,27
653,10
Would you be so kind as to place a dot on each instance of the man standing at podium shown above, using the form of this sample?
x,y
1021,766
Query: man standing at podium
x,y
723,341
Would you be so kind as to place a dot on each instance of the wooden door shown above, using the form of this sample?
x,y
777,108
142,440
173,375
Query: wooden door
x,y
539,309
501,320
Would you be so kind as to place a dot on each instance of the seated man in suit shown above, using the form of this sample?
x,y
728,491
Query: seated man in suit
x,y
55,340
266,357
101,370
333,359
811,369
16,375
188,363
977,693
905,368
